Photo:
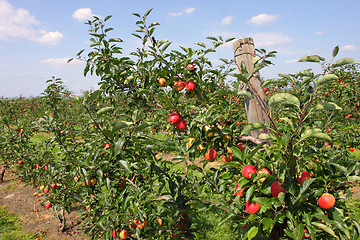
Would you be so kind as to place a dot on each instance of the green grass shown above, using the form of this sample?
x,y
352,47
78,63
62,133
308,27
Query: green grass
x,y
10,227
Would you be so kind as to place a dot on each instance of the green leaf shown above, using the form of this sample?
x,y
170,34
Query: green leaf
x,y
252,232
327,106
240,77
253,126
312,58
325,228
316,133
335,51
326,79
305,186
118,146
103,111
266,223
200,44
343,61
245,94
236,152
147,13
286,99
125,164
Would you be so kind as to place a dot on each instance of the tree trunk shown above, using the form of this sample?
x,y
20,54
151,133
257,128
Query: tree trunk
x,y
256,110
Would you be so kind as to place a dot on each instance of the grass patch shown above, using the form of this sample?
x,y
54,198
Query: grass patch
x,y
11,228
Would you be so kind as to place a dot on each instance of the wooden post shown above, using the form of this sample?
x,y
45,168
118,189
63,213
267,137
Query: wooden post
x,y
256,111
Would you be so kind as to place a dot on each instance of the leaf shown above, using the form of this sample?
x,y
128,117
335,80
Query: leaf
x,y
327,106
147,12
103,110
341,168
312,58
343,61
326,79
266,223
241,77
252,232
118,146
286,99
335,51
316,133
125,164
253,126
236,152
305,186
325,228
245,94
200,44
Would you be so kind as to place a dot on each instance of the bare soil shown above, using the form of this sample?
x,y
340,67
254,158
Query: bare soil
x,y
19,199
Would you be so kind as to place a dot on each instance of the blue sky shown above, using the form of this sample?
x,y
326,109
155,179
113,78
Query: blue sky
x,y
38,36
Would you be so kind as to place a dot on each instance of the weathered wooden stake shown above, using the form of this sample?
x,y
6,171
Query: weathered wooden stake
x,y
256,111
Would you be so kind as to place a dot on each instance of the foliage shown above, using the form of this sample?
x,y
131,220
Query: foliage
x,y
104,150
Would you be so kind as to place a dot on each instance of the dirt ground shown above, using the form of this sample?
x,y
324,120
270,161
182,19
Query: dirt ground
x,y
19,199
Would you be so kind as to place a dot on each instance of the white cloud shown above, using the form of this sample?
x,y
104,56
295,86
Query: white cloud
x,y
83,14
19,23
189,10
262,19
319,32
270,39
51,38
227,20
59,62
349,47
177,14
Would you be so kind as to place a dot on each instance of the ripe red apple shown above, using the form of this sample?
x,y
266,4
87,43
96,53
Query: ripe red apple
x,y
174,118
53,185
274,89
265,89
47,205
304,176
248,170
179,85
20,162
238,191
252,207
181,125
190,85
264,171
211,155
326,94
276,189
326,201
329,130
345,84
352,149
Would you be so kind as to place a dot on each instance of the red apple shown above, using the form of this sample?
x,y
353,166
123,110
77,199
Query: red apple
x,y
326,201
181,125
252,207
274,89
211,155
329,130
352,149
174,118
276,189
47,205
248,170
179,85
304,176
265,89
326,94
264,171
20,162
190,85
